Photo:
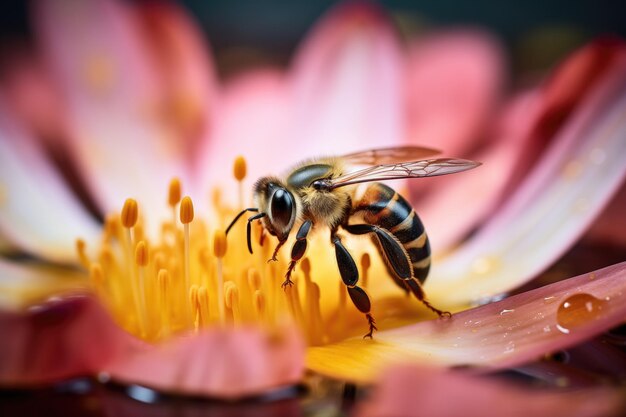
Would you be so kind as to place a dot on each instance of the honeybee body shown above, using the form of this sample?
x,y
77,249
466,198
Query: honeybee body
x,y
321,193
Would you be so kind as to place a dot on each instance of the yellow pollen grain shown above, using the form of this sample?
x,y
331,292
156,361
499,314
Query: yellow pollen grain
x,y
186,210
174,192
141,254
130,213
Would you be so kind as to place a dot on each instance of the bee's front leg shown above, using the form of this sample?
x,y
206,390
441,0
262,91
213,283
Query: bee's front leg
x,y
276,249
297,250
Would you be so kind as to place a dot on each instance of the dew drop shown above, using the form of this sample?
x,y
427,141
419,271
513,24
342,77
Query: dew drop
x,y
505,311
577,310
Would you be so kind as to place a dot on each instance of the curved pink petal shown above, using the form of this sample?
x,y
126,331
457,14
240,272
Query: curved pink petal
x,y
98,52
218,362
38,212
422,391
347,80
520,134
610,225
187,74
576,176
59,339
453,83
479,191
502,334
251,121
74,335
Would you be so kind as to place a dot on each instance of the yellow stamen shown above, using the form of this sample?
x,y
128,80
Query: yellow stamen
x,y
174,193
195,307
231,300
259,305
130,213
141,259
163,285
82,255
186,216
239,171
219,250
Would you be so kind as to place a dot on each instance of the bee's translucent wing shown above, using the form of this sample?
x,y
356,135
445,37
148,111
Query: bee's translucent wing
x,y
413,169
392,155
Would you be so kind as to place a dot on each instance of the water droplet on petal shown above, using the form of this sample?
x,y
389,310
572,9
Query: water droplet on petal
x,y
578,310
505,311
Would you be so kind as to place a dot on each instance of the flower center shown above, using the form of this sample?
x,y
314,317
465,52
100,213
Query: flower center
x,y
190,277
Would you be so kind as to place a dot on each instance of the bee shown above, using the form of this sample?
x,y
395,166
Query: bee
x,y
333,193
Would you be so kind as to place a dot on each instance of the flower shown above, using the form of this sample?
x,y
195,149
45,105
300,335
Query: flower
x,y
143,107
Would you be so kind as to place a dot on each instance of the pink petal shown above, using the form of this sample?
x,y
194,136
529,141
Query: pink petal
x,y
502,334
521,133
187,73
251,121
610,225
453,83
576,176
74,335
439,206
98,52
56,340
347,83
422,391
218,362
40,214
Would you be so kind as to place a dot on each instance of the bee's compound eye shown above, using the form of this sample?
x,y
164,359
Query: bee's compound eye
x,y
281,208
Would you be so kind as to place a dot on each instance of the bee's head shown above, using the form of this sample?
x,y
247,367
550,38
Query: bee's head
x,y
279,203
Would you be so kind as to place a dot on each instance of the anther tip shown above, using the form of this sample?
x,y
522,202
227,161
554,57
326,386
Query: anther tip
x,y
141,254
174,193
239,168
186,210
366,261
130,212
219,244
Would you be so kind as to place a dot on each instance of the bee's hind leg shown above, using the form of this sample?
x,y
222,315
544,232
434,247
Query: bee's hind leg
x,y
350,276
398,260
297,250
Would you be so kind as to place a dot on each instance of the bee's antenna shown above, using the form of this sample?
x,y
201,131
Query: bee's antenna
x,y
254,209
248,230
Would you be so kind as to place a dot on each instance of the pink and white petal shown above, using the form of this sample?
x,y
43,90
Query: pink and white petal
x,y
453,83
61,338
39,213
97,52
502,334
347,79
481,190
225,363
577,175
251,121
610,225
424,391
24,284
187,74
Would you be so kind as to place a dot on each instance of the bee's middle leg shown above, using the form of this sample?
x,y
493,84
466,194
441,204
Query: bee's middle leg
x,y
350,276
297,250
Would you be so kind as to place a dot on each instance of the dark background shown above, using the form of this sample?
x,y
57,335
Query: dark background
x,y
246,32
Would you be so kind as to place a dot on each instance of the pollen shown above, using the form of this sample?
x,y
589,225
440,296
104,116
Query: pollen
x,y
185,276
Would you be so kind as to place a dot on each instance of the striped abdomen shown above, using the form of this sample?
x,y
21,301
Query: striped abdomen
x,y
383,207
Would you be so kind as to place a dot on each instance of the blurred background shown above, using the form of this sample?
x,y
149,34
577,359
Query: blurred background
x,y
248,32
